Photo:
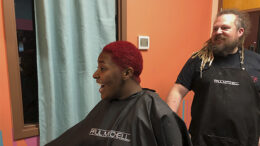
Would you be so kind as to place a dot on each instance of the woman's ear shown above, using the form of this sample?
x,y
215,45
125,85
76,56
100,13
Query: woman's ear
x,y
128,73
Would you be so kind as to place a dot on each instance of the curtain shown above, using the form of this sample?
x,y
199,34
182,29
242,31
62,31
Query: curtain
x,y
70,35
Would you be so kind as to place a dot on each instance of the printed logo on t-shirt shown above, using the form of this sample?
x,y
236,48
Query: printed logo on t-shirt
x,y
110,134
226,82
255,79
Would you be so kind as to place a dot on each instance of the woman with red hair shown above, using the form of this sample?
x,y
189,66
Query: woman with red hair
x,y
127,115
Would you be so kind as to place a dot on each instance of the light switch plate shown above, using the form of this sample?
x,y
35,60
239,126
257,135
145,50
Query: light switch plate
x,y
143,42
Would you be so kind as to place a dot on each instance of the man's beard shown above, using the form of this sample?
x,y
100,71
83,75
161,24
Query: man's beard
x,y
225,48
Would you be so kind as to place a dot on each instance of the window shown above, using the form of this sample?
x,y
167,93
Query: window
x,y
21,62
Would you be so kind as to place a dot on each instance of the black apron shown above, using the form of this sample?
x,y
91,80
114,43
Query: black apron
x,y
224,109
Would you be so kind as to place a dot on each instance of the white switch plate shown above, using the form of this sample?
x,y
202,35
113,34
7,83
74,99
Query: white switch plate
x,y
143,42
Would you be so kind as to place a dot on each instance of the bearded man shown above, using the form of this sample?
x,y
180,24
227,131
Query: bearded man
x,y
225,79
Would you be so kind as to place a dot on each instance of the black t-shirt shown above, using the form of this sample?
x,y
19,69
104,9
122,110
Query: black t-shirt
x,y
142,119
191,69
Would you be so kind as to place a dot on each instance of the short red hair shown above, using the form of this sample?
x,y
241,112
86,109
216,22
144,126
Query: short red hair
x,y
126,54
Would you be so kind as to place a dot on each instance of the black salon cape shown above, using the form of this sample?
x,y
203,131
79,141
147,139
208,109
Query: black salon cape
x,y
143,119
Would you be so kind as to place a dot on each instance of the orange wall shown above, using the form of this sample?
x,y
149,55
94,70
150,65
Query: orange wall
x,y
176,29
241,4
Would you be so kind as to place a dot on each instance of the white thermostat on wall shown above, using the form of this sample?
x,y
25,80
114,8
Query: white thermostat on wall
x,y
143,42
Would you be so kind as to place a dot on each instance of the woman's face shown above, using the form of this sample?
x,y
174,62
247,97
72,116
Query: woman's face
x,y
109,76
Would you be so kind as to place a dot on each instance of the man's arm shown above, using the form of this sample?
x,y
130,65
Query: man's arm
x,y
175,96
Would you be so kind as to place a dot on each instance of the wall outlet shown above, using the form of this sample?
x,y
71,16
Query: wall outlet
x,y
143,42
